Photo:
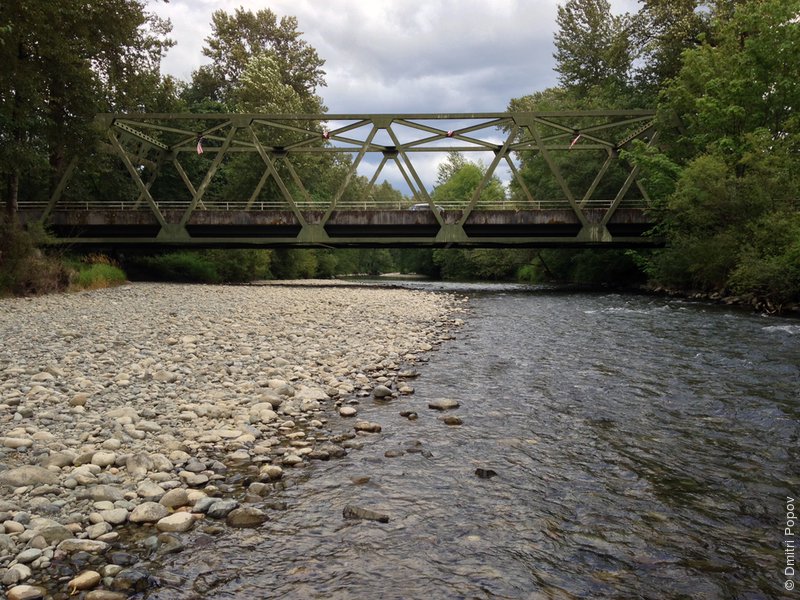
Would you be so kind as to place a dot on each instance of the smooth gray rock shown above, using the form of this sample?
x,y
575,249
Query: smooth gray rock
x,y
28,475
221,508
148,512
444,404
247,516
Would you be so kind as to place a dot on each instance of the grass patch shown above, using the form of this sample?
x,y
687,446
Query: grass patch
x,y
97,276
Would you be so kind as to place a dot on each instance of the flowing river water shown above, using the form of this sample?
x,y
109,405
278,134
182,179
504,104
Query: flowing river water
x,y
643,448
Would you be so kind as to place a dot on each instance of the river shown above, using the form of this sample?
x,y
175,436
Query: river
x,y
643,447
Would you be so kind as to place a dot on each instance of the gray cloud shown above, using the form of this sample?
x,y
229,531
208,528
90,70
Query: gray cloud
x,y
398,55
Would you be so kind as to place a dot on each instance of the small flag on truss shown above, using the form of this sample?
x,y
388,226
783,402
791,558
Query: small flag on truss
x,y
199,145
575,141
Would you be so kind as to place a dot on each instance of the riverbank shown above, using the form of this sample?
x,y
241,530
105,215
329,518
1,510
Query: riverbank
x,y
137,411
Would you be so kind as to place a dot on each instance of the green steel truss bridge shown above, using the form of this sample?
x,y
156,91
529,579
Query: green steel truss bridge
x,y
249,180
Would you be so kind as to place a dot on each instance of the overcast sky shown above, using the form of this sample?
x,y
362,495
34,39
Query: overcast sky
x,y
401,55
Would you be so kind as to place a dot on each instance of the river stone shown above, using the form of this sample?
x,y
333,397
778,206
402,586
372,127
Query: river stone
x,y
114,516
102,492
97,530
348,411
7,544
271,472
139,464
443,404
452,420
58,459
25,592
29,555
356,512
247,516
221,508
485,473
28,475
169,544
194,479
367,427
15,443
175,498
131,580
55,534
90,546
149,490
176,522
148,512
381,391
105,595
16,574
84,581
104,459
13,527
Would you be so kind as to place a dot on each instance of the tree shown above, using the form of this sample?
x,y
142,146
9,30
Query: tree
x,y
662,30
459,179
64,62
593,47
732,217
238,39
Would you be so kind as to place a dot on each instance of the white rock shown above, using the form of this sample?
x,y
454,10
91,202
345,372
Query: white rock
x,y
176,522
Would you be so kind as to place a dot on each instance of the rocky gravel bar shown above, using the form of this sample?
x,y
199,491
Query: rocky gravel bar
x,y
131,413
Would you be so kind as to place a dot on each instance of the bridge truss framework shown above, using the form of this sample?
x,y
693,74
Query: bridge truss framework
x,y
147,146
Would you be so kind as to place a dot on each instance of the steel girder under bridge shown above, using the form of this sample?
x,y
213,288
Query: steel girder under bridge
x,y
313,180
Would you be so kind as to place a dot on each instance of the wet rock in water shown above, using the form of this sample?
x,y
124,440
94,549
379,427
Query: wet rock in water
x,y
105,595
360,479
485,473
356,512
393,453
122,559
25,592
206,582
132,581
247,516
367,426
169,544
84,581
381,391
443,404
452,420
221,508
409,414
348,411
